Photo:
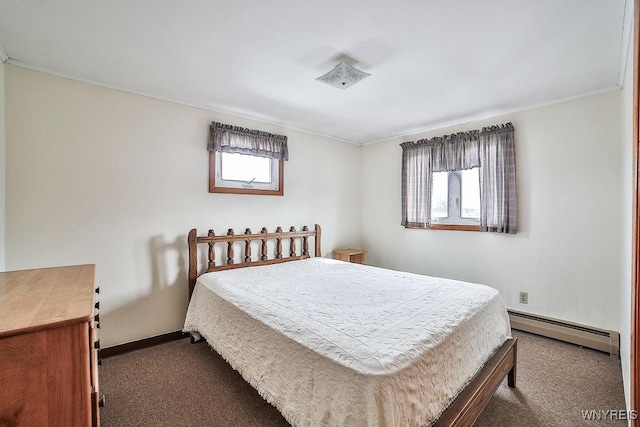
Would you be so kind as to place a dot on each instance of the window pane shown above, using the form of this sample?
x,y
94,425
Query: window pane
x,y
241,167
440,195
470,193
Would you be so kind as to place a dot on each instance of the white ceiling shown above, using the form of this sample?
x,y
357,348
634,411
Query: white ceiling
x,y
432,62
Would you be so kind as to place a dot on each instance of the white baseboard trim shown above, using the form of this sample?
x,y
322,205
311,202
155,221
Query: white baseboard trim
x,y
586,336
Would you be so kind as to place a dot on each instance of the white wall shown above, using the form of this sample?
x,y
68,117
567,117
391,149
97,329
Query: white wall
x,y
106,177
2,166
567,253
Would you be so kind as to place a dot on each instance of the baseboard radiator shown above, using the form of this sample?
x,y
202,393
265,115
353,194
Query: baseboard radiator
x,y
586,336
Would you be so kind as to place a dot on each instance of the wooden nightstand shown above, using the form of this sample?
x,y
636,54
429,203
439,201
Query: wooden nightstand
x,y
350,255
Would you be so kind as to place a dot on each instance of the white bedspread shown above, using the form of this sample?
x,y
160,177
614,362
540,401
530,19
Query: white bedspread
x,y
335,343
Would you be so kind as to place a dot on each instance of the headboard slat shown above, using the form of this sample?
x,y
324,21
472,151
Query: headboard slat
x,y
305,242
292,245
212,253
247,247
230,253
279,243
263,248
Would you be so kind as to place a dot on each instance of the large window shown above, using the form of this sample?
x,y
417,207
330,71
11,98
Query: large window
x,y
246,161
464,181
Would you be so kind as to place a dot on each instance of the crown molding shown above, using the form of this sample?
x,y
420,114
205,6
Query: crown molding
x,y
469,119
625,41
209,108
3,54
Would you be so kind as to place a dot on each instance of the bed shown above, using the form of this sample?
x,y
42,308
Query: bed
x,y
335,343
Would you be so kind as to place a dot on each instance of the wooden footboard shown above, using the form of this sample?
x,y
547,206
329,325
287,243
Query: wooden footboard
x,y
469,404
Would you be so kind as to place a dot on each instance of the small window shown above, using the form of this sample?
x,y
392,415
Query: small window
x,y
245,174
470,194
455,200
440,195
245,168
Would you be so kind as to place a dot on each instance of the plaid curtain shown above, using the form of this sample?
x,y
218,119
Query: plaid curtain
x,y
498,180
416,185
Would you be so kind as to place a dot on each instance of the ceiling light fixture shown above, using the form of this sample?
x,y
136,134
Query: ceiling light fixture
x,y
343,76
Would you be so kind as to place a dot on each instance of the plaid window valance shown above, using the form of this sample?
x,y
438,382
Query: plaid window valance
x,y
234,139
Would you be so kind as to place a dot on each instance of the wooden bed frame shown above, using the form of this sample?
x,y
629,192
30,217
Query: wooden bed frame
x,y
463,411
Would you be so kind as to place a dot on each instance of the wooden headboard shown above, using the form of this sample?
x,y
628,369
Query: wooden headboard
x,y
247,237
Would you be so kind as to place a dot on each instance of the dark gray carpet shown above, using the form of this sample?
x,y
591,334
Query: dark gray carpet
x,y
556,382
183,384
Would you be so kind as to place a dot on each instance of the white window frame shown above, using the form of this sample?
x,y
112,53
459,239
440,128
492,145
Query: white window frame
x,y
454,219
219,185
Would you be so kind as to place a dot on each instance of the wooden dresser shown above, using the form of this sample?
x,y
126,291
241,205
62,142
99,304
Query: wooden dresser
x,y
48,347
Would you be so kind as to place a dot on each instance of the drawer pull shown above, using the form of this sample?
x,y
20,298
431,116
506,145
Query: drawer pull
x,y
97,306
101,401
96,345
98,290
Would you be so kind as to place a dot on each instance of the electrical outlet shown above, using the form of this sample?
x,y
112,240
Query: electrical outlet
x,y
524,298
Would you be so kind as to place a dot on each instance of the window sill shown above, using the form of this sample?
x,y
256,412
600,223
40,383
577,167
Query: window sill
x,y
458,227
455,227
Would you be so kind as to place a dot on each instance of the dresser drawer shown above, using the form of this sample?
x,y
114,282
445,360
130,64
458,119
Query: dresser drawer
x,y
45,378
48,364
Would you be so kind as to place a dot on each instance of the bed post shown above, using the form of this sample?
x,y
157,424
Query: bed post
x,y
511,375
193,259
318,252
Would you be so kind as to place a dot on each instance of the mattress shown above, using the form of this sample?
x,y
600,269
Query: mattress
x,y
331,343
